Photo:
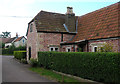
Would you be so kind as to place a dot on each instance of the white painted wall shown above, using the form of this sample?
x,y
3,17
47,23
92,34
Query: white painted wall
x,y
8,44
22,42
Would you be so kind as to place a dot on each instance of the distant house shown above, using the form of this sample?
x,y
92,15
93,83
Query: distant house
x,y
20,41
10,42
49,31
16,41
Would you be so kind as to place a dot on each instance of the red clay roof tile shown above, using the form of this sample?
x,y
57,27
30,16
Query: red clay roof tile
x,y
102,23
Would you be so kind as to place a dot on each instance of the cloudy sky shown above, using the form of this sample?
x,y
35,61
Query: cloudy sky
x,y
15,14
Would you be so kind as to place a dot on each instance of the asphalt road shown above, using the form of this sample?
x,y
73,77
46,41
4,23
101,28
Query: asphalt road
x,y
13,71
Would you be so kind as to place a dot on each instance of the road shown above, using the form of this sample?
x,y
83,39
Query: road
x,y
13,71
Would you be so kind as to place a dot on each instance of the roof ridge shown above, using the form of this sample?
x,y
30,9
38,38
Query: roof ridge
x,y
51,12
100,9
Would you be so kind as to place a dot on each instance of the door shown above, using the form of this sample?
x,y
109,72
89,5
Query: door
x,y
29,53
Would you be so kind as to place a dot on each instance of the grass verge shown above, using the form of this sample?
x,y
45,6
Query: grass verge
x,y
52,75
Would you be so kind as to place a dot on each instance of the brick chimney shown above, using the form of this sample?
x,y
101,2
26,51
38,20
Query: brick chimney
x,y
69,10
70,20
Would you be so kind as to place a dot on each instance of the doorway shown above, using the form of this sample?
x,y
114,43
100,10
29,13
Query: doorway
x,y
29,53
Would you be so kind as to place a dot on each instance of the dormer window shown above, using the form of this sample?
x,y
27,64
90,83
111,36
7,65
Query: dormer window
x,y
31,27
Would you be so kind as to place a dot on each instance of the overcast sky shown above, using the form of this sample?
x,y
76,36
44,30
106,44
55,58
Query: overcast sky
x,y
15,14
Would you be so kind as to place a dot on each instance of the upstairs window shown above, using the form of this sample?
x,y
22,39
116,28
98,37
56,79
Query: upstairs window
x,y
31,27
23,41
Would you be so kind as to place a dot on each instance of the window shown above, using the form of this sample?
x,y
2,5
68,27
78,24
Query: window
x,y
56,49
95,46
31,27
95,49
68,49
53,49
23,41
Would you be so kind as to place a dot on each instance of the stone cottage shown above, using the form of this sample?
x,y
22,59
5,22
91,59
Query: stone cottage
x,y
49,31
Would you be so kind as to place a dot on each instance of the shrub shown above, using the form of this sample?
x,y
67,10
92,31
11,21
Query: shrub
x,y
24,61
103,67
107,47
12,48
20,55
33,62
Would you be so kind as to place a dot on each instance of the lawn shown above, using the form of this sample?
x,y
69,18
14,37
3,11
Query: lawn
x,y
53,76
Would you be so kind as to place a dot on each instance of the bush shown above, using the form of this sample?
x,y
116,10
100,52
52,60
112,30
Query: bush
x,y
33,62
107,47
11,49
20,55
103,67
24,61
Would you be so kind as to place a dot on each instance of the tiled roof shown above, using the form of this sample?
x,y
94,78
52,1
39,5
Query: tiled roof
x,y
48,21
102,23
18,39
11,40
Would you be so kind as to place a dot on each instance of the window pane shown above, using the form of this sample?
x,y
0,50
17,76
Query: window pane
x,y
68,50
51,49
56,49
95,49
31,28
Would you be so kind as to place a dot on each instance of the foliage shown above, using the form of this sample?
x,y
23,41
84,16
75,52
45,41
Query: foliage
x,y
20,55
103,67
5,34
33,62
24,61
12,48
79,50
2,45
107,47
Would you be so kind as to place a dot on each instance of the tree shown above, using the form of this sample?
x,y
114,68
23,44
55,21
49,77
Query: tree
x,y
5,34
2,45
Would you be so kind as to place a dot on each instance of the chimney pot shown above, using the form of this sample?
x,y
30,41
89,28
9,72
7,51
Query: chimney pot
x,y
69,10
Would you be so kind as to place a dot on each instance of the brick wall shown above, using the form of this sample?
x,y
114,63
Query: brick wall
x,y
32,41
45,40
115,42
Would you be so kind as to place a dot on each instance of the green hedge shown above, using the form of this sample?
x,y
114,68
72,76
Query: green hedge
x,y
102,67
11,49
20,54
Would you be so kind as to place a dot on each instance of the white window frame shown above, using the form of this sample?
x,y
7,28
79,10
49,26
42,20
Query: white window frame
x,y
94,48
68,48
53,48
97,44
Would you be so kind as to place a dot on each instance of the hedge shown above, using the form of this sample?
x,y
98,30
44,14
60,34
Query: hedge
x,y
11,49
20,54
102,67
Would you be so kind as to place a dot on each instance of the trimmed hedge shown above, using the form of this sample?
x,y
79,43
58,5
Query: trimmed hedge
x,y
11,49
20,54
102,67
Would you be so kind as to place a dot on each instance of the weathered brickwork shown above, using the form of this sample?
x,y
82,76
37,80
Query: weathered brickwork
x,y
48,39
32,41
114,42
